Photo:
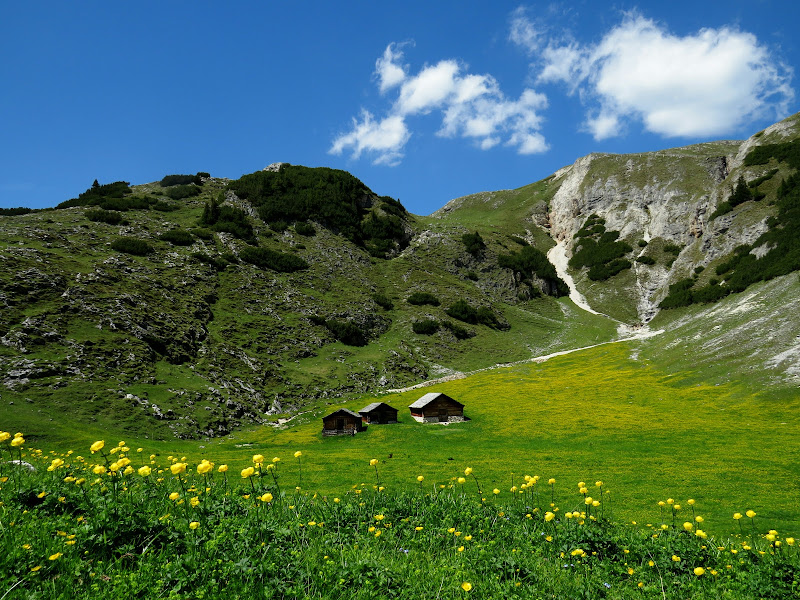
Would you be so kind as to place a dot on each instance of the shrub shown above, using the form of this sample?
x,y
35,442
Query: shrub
x,y
270,259
473,242
306,229
383,301
347,332
203,233
179,192
642,243
422,298
218,263
177,237
279,226
462,311
518,240
723,208
530,261
171,180
104,216
472,275
13,212
646,260
671,248
461,333
425,327
134,246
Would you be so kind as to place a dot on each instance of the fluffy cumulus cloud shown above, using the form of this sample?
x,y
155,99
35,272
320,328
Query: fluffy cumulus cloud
x,y
470,106
708,83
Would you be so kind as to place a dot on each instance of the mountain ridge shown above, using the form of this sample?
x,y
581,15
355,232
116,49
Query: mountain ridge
x,y
197,339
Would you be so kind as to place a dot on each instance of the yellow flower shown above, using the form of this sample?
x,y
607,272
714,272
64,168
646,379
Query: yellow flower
x,y
699,571
451,530
99,469
276,459
548,516
373,462
336,500
194,501
588,500
466,586
699,519
670,500
223,468
418,528
258,458
379,517
128,470
688,526
701,534
248,472
595,503
461,480
661,503
581,484
174,496
790,541
204,467
266,497
97,446
4,435
55,556
145,471
461,548
598,483
737,516
17,442
690,502
467,538
194,525
676,506
495,491
551,481
420,478
298,454
177,468
676,558
751,513
468,471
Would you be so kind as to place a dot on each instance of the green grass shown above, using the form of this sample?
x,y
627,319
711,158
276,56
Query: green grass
x,y
120,522
595,414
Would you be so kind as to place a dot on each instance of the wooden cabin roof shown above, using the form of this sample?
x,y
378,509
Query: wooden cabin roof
x,y
342,410
370,407
430,397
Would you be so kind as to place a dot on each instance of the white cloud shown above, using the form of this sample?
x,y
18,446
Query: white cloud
x,y
383,138
710,83
523,32
389,72
471,106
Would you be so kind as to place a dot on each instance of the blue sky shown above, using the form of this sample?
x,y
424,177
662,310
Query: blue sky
x,y
423,101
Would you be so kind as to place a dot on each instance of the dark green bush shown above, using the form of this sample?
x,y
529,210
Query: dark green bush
x,y
473,242
218,263
472,275
180,192
518,240
104,216
203,233
530,261
425,327
603,271
383,301
333,198
130,245
642,243
347,332
462,311
461,333
723,208
177,237
279,226
270,259
306,229
671,248
422,298
646,260
171,180
13,212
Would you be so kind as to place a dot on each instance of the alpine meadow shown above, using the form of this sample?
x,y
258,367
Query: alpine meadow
x,y
622,337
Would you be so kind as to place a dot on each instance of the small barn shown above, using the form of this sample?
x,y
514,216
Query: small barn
x,y
378,413
437,408
342,422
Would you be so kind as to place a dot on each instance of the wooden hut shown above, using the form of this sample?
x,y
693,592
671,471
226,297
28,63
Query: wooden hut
x,y
378,413
437,408
342,422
